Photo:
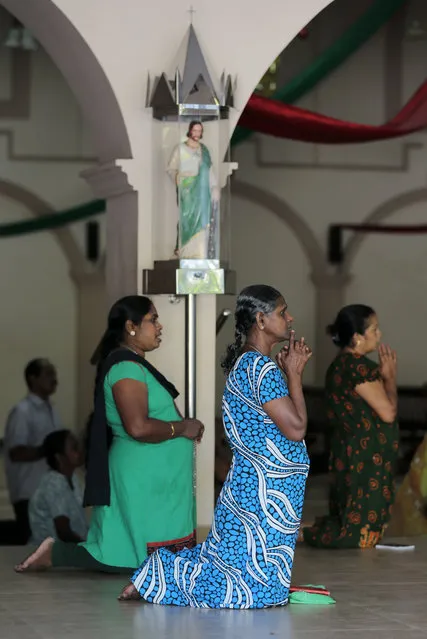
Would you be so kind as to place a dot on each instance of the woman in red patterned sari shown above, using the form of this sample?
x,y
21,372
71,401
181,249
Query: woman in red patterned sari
x,y
362,407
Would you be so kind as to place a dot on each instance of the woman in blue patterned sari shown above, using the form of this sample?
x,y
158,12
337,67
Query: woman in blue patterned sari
x,y
246,561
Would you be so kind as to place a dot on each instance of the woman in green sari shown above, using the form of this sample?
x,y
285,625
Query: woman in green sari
x,y
140,459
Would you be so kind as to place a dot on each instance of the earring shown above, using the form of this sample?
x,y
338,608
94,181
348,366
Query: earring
x,y
133,333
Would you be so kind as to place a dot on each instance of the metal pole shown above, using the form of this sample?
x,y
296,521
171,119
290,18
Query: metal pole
x,y
190,381
190,359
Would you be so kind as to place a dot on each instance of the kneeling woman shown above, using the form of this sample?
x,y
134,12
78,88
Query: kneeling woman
x,y
246,561
140,460
362,407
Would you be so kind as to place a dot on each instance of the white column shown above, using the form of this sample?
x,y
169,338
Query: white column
x,y
109,182
205,404
330,298
170,360
91,322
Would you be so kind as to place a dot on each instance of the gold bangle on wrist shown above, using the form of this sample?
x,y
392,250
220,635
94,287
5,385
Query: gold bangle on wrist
x,y
172,430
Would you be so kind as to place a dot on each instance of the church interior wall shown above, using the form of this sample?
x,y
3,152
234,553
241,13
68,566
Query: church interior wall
x,y
46,149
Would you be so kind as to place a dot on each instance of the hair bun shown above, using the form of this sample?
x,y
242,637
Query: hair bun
x,y
331,330
350,320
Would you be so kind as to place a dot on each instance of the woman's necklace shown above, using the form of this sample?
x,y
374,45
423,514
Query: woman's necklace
x,y
132,350
254,348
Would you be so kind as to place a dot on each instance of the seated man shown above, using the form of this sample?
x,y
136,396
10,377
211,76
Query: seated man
x,y
56,507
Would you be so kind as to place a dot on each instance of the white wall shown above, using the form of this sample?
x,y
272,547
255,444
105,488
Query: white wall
x,y
228,33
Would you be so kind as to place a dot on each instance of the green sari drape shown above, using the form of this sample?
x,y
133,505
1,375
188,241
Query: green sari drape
x,y
194,196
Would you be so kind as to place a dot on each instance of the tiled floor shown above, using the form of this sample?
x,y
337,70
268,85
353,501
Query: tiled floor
x,y
378,593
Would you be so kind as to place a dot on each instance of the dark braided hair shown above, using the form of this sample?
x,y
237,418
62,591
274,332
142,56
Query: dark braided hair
x,y
258,298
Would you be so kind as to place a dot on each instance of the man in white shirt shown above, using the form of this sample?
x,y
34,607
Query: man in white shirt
x,y
28,424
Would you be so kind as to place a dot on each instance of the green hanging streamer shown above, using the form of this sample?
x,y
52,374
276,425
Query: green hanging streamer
x,y
53,220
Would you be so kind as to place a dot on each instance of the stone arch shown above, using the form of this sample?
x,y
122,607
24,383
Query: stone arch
x,y
38,207
81,70
382,212
90,289
284,212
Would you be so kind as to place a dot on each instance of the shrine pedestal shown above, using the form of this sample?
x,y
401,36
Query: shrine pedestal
x,y
172,277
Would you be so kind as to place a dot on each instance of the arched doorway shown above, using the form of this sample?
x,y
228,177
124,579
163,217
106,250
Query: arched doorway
x,y
379,214
388,272
82,71
38,300
102,114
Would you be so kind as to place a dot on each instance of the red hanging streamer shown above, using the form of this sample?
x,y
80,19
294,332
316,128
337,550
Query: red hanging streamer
x,y
284,121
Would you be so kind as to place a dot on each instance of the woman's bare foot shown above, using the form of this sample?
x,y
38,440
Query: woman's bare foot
x,y
41,559
129,593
